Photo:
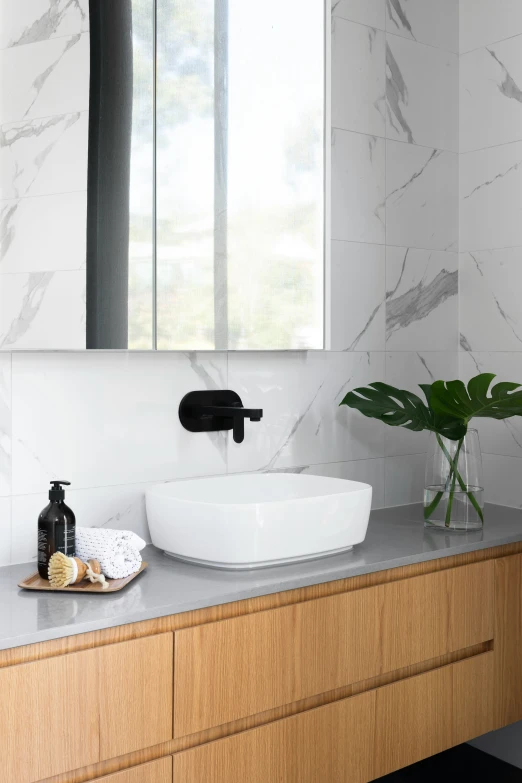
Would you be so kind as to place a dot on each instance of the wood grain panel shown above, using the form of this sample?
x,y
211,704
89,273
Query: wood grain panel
x,y
156,772
413,720
261,719
48,717
228,670
474,689
135,694
508,640
121,633
356,739
329,744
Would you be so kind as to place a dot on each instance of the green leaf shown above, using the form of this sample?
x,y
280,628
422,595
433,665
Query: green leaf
x,y
453,399
401,408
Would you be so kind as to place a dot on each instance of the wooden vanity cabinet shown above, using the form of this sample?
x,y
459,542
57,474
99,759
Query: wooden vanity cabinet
x,y
159,771
75,710
342,682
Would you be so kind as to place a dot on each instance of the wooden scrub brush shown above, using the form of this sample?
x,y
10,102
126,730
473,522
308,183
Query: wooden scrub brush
x,y
64,571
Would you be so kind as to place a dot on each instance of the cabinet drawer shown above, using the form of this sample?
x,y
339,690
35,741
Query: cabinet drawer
x,y
155,772
243,666
357,739
64,713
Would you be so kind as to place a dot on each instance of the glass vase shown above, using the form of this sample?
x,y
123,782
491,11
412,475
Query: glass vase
x,y
454,487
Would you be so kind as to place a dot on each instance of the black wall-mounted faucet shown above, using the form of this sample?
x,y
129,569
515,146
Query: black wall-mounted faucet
x,y
211,411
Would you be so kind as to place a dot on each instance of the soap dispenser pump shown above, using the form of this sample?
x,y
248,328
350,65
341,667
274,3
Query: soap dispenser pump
x,y
56,528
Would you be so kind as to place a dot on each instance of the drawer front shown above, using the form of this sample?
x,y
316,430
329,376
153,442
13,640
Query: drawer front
x,y
156,772
357,739
235,668
65,713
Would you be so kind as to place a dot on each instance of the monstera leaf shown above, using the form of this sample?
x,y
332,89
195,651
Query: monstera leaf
x,y
453,398
400,408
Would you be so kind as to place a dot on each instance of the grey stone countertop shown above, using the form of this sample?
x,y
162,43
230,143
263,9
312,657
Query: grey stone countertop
x,y
396,537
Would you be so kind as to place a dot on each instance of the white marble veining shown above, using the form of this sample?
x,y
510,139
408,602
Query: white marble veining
x,y
52,77
103,419
358,187
39,309
421,197
405,370
44,156
433,22
496,437
303,423
483,22
491,95
45,233
367,12
422,96
421,300
490,188
358,91
357,296
490,311
5,424
27,21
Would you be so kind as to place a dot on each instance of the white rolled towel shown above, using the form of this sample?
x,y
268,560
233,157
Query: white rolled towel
x,y
118,551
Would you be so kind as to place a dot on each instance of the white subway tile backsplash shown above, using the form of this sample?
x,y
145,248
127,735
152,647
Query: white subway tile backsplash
x,y
52,77
428,22
358,187
421,197
357,296
422,94
358,79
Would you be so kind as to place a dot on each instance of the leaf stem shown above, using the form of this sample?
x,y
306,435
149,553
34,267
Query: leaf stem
x,y
471,497
453,475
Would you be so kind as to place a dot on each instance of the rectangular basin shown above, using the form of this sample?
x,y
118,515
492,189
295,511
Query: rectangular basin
x,y
257,520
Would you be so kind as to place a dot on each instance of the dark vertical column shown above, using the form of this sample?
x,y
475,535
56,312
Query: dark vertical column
x,y
221,174
110,130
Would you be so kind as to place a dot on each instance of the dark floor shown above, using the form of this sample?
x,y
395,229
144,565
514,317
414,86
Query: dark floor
x,y
458,765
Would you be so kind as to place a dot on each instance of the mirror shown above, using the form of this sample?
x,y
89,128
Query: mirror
x,y
162,174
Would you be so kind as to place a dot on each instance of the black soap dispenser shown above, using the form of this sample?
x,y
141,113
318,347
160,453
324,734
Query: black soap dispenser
x,y
56,528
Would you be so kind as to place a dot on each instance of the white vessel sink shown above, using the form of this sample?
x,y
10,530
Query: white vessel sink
x,y
256,520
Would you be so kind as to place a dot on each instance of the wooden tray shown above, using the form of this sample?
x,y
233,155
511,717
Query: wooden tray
x,y
35,582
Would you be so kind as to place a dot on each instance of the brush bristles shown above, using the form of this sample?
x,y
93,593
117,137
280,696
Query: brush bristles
x,y
61,570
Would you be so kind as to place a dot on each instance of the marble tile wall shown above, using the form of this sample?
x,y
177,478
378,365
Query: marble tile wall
x,y
490,265
44,47
108,421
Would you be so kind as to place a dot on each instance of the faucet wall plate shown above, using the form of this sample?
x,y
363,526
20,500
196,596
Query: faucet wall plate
x,y
207,422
